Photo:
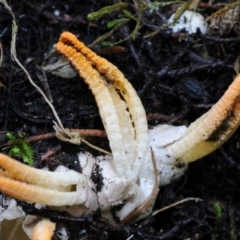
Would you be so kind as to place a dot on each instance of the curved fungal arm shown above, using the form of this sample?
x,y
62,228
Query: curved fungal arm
x,y
212,129
52,180
49,188
43,230
103,98
115,77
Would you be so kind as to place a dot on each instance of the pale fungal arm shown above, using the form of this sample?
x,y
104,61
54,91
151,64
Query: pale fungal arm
x,y
137,112
43,230
174,147
103,96
28,187
126,126
212,129
23,173
35,194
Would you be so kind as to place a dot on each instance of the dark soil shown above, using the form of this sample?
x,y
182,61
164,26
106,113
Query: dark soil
x,y
176,84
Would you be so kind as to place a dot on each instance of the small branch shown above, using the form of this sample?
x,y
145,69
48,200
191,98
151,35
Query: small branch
x,y
82,132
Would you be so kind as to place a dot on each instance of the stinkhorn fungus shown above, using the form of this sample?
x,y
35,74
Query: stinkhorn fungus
x,y
142,159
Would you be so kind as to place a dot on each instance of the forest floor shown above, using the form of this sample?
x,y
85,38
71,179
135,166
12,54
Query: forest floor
x,y
178,78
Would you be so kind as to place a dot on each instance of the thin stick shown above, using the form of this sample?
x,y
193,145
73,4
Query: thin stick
x,y
82,132
167,207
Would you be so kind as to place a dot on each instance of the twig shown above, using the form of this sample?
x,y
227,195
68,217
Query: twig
x,y
175,204
165,208
82,132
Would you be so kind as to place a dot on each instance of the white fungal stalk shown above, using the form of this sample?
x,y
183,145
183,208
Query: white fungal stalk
x,y
127,182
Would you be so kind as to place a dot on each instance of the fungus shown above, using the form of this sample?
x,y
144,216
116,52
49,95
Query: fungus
x,y
132,175
189,21
43,230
